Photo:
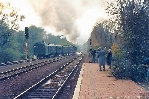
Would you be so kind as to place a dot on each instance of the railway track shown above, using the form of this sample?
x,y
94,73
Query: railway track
x,y
68,89
24,69
15,85
52,86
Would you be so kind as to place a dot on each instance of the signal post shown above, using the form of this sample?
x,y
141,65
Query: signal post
x,y
26,36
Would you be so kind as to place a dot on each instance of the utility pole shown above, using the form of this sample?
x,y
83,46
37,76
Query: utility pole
x,y
26,36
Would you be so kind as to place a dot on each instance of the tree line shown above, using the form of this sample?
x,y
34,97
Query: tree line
x,y
12,40
127,30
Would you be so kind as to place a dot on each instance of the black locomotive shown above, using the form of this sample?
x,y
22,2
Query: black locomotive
x,y
42,50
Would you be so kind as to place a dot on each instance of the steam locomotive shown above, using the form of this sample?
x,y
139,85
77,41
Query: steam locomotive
x,y
42,50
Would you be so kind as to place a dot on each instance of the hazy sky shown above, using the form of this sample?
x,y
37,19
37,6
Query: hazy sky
x,y
73,18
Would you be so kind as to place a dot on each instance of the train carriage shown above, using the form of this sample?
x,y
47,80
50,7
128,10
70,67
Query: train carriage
x,y
75,49
59,50
72,49
51,50
41,49
65,50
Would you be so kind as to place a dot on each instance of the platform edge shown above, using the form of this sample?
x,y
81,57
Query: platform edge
x,y
78,86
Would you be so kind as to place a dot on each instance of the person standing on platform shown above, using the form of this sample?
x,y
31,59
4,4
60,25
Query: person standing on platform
x,y
93,56
109,58
90,56
101,58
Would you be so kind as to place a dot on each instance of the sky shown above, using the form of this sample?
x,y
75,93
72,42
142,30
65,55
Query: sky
x,y
72,18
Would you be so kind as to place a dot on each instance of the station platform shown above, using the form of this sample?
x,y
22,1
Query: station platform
x,y
95,84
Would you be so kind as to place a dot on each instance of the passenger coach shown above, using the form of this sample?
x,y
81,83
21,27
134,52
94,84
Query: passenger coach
x,y
41,50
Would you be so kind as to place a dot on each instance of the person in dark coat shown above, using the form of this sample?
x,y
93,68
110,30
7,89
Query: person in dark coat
x,y
93,55
109,58
101,58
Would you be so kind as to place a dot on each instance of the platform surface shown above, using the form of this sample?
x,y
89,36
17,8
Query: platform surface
x,y
95,84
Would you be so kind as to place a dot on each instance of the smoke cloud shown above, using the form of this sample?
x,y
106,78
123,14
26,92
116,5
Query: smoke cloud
x,y
58,14
62,15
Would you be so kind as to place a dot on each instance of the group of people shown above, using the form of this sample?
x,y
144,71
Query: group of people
x,y
100,57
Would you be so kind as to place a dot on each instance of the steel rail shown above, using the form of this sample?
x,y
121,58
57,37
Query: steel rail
x,y
20,96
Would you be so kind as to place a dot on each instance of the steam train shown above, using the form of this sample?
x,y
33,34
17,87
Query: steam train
x,y
42,50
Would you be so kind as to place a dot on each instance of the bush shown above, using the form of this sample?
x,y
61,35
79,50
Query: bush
x,y
9,55
119,69
138,72
118,72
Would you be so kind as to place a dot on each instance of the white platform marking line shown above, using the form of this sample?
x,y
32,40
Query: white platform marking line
x,y
78,86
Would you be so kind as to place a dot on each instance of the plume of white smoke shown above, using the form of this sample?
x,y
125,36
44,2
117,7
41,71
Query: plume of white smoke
x,y
58,14
61,15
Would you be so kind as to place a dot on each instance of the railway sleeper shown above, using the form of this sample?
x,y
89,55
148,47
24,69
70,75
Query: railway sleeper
x,y
41,82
